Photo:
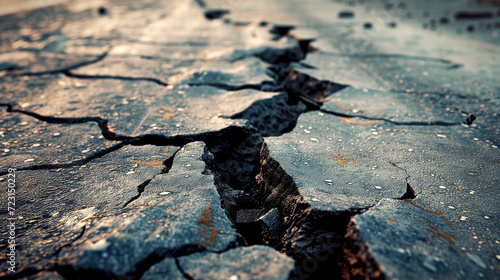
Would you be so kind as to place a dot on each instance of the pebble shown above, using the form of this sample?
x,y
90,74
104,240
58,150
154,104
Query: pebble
x,y
477,260
6,150
451,207
23,123
130,172
36,145
378,187
463,218
314,140
29,160
85,151
441,135
442,187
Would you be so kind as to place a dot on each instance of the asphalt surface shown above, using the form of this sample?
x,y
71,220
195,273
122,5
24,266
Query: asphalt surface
x,y
229,139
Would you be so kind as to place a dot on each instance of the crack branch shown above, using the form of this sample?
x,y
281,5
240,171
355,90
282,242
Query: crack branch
x,y
80,162
412,123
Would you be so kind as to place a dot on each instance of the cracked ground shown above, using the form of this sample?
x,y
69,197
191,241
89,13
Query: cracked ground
x,y
229,139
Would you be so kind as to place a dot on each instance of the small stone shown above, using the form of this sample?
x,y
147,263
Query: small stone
x,y
463,218
486,217
29,160
6,150
314,140
429,263
85,151
378,187
314,199
451,207
441,135
476,259
442,187
130,172
36,145
23,123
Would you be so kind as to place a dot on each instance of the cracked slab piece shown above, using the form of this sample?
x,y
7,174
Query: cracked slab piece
x,y
178,213
54,205
410,243
332,175
242,263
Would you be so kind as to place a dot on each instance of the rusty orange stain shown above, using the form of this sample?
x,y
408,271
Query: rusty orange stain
x,y
341,159
439,234
342,107
167,116
168,109
165,152
448,222
148,163
207,230
392,222
422,208
348,120
366,154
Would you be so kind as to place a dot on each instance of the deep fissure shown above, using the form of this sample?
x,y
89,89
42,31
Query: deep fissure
x,y
250,182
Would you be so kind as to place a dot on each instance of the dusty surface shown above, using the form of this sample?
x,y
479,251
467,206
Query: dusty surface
x,y
227,139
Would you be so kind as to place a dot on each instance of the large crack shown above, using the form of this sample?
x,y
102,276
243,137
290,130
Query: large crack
x,y
250,182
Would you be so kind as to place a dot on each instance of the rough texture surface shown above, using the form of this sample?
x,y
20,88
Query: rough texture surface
x,y
228,139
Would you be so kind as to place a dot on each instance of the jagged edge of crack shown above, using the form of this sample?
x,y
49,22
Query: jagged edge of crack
x,y
266,86
410,192
109,134
80,162
142,187
67,68
412,123
67,71
107,77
